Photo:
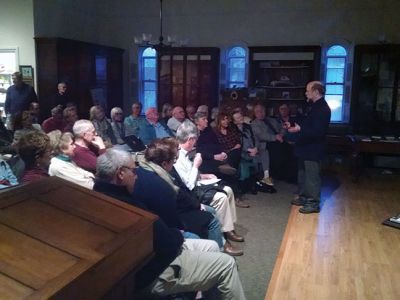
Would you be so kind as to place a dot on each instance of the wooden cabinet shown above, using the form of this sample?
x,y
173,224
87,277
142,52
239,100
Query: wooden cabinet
x,y
282,73
376,90
62,241
188,76
88,69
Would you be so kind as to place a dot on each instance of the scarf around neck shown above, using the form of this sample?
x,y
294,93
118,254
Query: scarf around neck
x,y
152,167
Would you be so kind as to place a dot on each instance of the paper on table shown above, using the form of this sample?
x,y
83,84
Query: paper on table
x,y
208,181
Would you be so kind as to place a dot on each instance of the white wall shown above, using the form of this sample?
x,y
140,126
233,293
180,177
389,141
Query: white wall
x,y
16,30
218,23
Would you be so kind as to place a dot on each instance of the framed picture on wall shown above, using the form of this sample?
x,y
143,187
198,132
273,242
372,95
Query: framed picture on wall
x,y
27,74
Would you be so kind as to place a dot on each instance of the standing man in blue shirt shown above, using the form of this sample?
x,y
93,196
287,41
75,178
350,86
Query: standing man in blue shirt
x,y
310,148
19,97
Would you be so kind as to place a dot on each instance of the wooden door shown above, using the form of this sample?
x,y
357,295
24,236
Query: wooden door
x,y
188,76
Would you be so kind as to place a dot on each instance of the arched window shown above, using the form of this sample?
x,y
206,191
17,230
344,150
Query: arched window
x,y
335,79
148,78
236,67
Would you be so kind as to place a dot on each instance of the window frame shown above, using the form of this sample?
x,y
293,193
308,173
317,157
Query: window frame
x,y
345,84
142,81
228,69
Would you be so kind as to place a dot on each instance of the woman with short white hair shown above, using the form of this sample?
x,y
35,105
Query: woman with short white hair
x,y
117,124
62,165
102,124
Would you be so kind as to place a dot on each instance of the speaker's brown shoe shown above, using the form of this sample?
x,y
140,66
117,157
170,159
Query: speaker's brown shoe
x,y
232,236
231,250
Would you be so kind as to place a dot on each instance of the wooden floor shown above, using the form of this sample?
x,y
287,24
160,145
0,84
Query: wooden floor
x,y
344,252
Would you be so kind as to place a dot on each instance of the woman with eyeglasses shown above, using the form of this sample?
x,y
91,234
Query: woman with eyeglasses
x,y
35,150
62,165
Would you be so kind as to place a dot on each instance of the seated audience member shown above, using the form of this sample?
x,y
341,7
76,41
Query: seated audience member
x,y
6,139
117,124
23,124
229,138
62,165
116,178
248,114
88,145
265,130
124,142
7,177
102,125
196,217
223,201
151,128
214,158
213,117
203,109
135,120
160,196
70,117
166,113
190,112
251,158
56,121
178,117
35,112
35,150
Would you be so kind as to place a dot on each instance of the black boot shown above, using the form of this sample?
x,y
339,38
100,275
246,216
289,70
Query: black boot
x,y
265,188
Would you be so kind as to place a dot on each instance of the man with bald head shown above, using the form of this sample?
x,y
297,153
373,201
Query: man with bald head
x,y
310,147
151,128
178,117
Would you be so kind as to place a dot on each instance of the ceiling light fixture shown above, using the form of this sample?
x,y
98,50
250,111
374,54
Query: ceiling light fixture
x,y
145,40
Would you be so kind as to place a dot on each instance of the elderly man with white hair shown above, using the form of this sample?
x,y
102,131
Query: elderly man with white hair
x,y
88,145
178,117
152,129
178,265
223,201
